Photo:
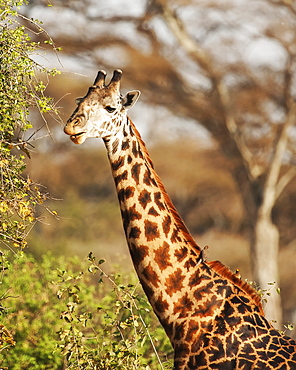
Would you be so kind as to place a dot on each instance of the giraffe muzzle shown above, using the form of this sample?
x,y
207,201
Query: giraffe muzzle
x,y
78,138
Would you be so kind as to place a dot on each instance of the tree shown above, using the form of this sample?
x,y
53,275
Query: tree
x,y
204,61
20,91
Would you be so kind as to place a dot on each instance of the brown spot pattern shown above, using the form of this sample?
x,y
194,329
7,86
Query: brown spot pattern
x,y
162,256
161,305
125,145
203,291
151,230
152,211
180,332
135,149
119,178
174,282
147,289
135,171
183,306
148,179
189,263
181,253
132,214
195,279
134,233
117,164
115,146
166,224
138,253
175,238
157,197
129,215
126,193
144,198
208,307
193,327
125,133
151,275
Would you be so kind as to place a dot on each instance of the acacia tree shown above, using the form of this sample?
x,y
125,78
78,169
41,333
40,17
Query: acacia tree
x,y
197,58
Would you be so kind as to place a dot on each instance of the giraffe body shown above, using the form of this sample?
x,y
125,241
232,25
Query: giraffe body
x,y
213,319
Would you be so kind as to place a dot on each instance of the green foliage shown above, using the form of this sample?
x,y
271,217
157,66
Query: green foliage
x,y
20,90
114,332
32,313
71,314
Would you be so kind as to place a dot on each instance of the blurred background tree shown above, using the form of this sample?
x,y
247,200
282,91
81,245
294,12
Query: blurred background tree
x,y
218,83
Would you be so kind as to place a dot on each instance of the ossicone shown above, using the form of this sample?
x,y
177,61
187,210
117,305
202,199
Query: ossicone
x,y
115,80
100,79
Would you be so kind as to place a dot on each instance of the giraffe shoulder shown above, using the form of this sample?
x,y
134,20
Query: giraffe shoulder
x,y
226,273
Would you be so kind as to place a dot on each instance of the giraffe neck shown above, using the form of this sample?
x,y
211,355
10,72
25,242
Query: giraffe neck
x,y
159,242
185,292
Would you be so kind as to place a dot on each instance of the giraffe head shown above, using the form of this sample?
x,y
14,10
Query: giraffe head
x,y
101,111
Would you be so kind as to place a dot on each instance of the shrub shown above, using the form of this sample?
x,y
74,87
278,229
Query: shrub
x,y
71,314
20,91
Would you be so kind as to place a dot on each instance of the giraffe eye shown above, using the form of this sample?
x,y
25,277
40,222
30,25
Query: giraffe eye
x,y
110,109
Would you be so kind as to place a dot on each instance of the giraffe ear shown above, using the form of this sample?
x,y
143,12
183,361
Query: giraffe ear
x,y
130,99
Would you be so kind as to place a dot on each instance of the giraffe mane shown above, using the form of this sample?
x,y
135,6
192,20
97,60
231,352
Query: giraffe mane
x,y
225,272
179,222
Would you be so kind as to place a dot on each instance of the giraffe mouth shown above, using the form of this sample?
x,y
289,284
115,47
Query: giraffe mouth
x,y
78,138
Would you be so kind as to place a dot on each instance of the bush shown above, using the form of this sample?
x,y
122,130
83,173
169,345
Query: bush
x,y
20,91
72,315
32,314
118,335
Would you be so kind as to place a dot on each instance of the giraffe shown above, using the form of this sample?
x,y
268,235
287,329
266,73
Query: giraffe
x,y
213,319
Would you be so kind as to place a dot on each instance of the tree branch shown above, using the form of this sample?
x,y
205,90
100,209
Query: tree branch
x,y
284,181
271,189
285,3
203,59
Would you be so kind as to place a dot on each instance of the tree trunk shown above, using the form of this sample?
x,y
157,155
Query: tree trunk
x,y
264,259
264,240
